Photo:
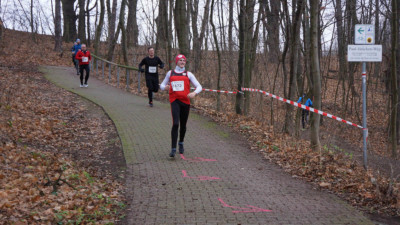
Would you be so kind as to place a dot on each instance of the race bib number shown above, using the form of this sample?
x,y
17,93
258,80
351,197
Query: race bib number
x,y
152,69
85,59
178,85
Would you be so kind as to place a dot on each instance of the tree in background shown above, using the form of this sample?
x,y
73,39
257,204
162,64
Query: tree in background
x,y
395,97
132,30
69,20
99,28
57,27
112,17
81,21
315,73
181,26
248,40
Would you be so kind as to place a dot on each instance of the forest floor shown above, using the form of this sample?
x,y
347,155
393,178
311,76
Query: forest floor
x,y
27,96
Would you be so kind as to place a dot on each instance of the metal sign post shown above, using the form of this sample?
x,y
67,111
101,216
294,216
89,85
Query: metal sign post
x,y
364,109
364,51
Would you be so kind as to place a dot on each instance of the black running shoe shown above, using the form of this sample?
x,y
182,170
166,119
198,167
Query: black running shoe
x,y
181,149
172,154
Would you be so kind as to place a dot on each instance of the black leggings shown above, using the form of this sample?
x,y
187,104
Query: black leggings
x,y
152,85
87,68
180,114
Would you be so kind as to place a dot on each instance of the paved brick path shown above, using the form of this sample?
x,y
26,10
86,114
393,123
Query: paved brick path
x,y
165,191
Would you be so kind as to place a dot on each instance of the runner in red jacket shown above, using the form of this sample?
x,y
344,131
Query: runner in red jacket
x,y
178,83
84,58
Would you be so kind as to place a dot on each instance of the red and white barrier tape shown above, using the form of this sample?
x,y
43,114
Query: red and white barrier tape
x,y
303,106
218,91
289,102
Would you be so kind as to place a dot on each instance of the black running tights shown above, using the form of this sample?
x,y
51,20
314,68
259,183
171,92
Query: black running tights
x,y
180,115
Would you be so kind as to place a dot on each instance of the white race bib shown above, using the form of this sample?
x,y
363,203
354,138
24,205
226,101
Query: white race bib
x,y
152,69
178,85
85,59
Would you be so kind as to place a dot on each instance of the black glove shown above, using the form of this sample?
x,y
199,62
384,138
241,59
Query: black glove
x,y
162,66
141,70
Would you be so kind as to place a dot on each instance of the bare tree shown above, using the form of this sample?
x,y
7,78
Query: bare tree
x,y
315,73
395,97
219,56
57,27
294,56
198,38
112,17
230,27
81,21
181,22
132,30
272,10
99,27
69,20
248,39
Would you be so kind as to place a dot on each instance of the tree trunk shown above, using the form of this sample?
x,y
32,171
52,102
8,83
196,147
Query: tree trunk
x,y
57,27
218,54
315,71
112,17
121,24
273,30
181,22
241,60
69,20
395,30
198,39
81,21
99,28
132,29
121,29
294,56
230,26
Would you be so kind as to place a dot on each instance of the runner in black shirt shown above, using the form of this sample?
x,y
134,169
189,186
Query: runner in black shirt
x,y
151,63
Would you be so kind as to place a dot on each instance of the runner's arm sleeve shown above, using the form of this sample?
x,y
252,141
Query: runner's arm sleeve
x,y
195,83
161,63
165,81
141,64
78,55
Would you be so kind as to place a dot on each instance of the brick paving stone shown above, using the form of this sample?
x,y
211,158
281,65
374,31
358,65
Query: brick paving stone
x,y
159,194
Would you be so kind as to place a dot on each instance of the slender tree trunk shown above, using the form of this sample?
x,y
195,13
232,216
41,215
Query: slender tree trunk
x,y
121,29
251,41
88,41
112,17
395,97
219,56
69,20
198,38
294,56
241,60
230,26
273,30
99,28
181,26
132,29
57,27
315,71
81,21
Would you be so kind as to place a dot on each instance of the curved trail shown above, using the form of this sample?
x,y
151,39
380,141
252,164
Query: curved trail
x,y
218,181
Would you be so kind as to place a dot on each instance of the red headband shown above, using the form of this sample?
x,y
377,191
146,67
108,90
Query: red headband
x,y
178,57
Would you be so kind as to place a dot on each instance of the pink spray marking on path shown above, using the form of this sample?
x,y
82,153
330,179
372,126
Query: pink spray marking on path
x,y
199,177
197,159
244,210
